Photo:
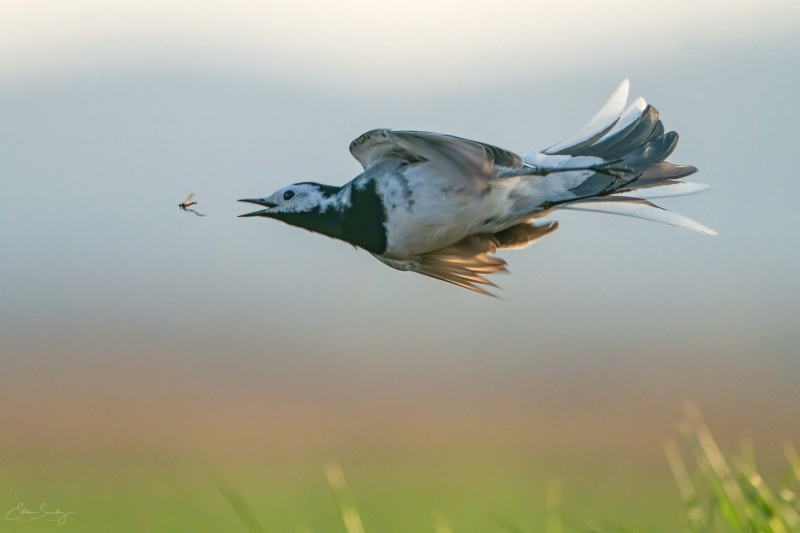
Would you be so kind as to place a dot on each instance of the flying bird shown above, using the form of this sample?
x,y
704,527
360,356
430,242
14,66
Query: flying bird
x,y
189,203
442,206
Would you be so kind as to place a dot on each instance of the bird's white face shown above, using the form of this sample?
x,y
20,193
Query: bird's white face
x,y
297,198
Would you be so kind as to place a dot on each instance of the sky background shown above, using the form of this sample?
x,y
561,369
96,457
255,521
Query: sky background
x,y
126,324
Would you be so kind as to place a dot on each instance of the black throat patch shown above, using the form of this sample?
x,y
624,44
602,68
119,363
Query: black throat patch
x,y
362,223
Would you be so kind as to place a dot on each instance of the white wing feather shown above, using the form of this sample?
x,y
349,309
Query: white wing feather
x,y
605,119
630,116
637,208
675,188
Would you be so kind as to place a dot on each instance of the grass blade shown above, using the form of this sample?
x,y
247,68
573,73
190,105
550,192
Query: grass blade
x,y
732,500
338,483
689,495
239,505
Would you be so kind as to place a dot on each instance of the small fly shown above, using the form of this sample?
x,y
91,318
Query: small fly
x,y
189,203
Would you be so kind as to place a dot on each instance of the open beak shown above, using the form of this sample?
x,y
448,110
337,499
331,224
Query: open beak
x,y
268,205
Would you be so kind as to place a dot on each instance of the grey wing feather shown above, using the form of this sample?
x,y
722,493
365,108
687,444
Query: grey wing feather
x,y
450,155
376,145
478,162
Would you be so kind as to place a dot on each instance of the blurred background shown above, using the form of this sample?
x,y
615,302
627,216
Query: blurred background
x,y
143,348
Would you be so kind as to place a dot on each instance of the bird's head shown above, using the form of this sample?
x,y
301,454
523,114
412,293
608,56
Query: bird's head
x,y
294,200
349,213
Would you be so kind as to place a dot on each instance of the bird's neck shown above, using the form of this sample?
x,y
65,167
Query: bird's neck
x,y
356,215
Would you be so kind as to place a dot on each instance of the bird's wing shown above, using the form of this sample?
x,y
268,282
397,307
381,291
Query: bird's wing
x,y
462,264
602,123
188,198
637,208
662,189
477,162
465,263
522,235
621,151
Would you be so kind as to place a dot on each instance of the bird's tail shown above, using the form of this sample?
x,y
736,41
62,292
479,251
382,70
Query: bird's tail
x,y
617,160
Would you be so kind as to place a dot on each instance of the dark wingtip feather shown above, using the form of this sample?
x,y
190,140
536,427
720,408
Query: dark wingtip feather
x,y
576,149
667,171
625,140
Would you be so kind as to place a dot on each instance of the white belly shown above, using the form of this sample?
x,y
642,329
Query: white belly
x,y
433,218
426,212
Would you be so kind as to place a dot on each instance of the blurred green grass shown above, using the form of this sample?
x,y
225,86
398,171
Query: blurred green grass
x,y
725,492
722,494
151,493
722,491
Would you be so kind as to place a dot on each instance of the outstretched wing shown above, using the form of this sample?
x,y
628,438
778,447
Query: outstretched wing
x,y
465,263
462,264
476,162
188,199
616,160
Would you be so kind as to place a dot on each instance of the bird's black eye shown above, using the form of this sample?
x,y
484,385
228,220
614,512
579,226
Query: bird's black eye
x,y
288,195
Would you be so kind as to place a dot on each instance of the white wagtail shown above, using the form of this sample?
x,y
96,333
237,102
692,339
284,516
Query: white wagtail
x,y
189,203
440,205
